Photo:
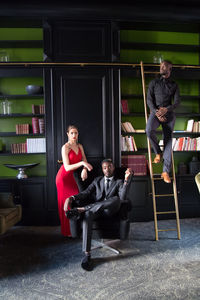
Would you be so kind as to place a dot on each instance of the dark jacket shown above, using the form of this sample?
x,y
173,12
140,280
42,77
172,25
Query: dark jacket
x,y
161,92
95,190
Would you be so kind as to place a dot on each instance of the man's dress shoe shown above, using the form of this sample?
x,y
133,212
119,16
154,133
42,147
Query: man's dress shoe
x,y
157,159
166,177
86,263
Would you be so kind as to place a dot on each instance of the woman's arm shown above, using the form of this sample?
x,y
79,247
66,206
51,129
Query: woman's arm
x,y
65,159
66,163
84,171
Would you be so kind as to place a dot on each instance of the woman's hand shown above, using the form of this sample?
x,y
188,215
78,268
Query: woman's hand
x,y
84,174
88,166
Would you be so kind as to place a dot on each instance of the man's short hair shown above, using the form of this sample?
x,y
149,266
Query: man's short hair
x,y
168,62
108,160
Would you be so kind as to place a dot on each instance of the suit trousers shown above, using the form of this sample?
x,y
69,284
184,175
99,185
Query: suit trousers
x,y
152,124
106,207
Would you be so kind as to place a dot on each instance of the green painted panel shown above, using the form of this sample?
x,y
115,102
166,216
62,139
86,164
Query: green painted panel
x,y
164,37
22,54
21,34
135,56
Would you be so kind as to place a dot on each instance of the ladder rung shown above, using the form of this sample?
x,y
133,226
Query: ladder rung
x,y
172,229
165,195
166,212
159,178
151,72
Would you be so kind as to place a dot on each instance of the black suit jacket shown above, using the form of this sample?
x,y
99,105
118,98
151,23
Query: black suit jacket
x,y
95,191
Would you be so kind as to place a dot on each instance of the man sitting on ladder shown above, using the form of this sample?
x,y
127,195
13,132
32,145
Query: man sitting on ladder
x,y
161,91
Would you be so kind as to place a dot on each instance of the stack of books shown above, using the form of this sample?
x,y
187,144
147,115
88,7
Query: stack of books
x,y
138,164
127,127
18,148
22,128
38,125
38,109
186,144
36,145
193,126
128,143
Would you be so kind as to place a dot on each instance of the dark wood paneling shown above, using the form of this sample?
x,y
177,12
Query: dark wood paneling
x,y
83,98
80,96
189,198
77,41
138,195
31,194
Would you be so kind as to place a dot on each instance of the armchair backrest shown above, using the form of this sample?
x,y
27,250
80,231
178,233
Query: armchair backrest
x,y
6,200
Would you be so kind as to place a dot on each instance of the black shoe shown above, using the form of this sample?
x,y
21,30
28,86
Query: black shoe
x,y
86,263
72,214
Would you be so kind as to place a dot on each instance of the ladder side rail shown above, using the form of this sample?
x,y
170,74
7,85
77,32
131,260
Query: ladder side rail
x,y
176,199
149,154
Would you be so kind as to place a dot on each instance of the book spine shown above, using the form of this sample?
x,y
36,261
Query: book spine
x,y
35,125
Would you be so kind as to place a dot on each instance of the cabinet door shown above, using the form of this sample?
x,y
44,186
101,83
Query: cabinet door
x,y
138,195
189,198
30,193
83,97
77,41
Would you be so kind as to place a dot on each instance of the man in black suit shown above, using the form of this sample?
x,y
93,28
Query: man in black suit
x,y
101,198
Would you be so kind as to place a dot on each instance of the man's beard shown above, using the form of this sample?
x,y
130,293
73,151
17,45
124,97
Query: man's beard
x,y
163,73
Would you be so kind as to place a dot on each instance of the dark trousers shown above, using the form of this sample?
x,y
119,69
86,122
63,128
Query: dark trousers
x,y
105,208
152,124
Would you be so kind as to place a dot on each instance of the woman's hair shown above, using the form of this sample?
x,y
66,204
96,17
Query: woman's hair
x,y
71,127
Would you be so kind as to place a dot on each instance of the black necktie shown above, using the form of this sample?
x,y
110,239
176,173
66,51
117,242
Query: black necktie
x,y
107,185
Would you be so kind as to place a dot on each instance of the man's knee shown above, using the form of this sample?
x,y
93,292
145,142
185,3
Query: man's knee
x,y
149,131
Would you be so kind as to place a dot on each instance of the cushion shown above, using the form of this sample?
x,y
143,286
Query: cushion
x,y
6,200
9,213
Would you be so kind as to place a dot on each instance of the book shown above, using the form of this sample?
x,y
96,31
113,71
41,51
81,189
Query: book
x,y
127,127
124,105
41,126
35,125
190,125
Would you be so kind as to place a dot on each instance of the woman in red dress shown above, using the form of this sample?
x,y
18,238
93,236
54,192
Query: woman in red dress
x,y
73,157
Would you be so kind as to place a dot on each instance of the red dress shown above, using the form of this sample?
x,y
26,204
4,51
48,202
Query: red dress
x,y
66,187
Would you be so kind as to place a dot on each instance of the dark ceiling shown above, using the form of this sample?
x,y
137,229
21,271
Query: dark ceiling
x,y
126,11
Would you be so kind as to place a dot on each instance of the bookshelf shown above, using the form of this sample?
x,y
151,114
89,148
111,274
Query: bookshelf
x,y
182,49
20,45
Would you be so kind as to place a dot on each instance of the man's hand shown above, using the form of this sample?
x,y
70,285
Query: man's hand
x,y
160,114
128,173
67,203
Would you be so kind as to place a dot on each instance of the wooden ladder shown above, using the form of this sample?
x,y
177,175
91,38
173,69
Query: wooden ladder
x,y
155,179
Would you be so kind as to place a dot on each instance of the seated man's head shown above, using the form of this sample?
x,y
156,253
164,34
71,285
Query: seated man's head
x,y
165,68
108,167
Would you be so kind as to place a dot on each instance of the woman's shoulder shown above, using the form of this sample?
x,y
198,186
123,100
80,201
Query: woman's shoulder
x,y
80,146
66,147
